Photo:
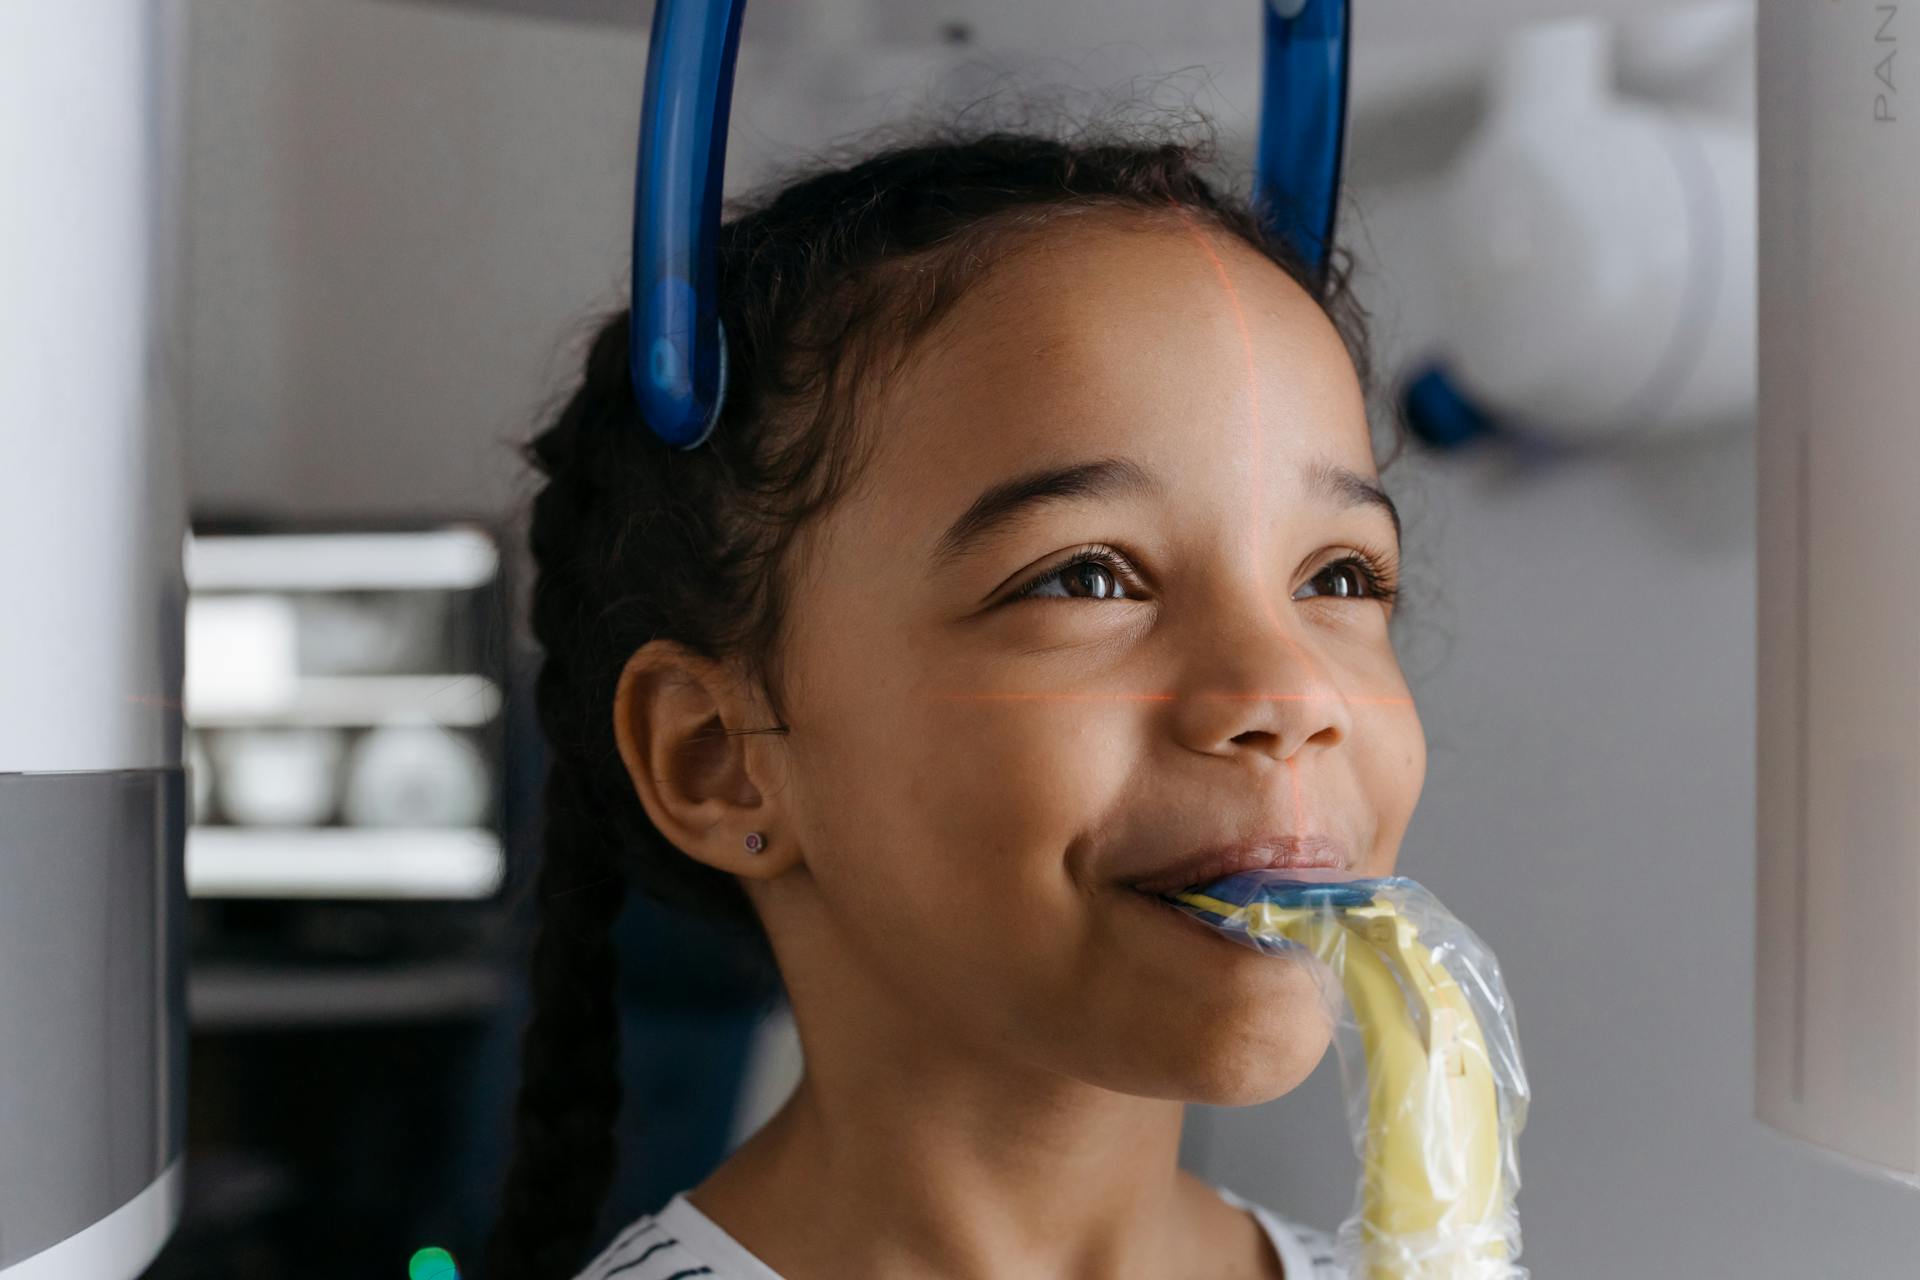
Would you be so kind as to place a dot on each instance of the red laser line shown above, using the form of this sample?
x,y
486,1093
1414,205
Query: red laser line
x,y
1279,629
1383,701
1253,393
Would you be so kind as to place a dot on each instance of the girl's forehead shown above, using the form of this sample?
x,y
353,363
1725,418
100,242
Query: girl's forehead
x,y
1168,343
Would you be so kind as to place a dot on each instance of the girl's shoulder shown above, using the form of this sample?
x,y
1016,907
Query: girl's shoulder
x,y
680,1242
1315,1258
636,1250
1306,1253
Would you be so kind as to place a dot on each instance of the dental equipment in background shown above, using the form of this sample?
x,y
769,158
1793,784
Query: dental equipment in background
x,y
678,347
1599,253
93,807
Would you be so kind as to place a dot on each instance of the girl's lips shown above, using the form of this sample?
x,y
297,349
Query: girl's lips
x,y
1261,853
1190,924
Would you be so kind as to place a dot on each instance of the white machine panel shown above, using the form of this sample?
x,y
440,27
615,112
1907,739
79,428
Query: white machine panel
x,y
1837,937
92,479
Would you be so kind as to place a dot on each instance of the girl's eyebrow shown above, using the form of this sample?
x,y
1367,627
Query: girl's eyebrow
x,y
1002,503
1009,500
1348,488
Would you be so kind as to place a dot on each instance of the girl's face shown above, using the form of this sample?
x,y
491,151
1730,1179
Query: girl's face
x,y
990,744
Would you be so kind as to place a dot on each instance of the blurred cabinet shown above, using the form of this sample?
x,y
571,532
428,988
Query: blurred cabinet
x,y
359,766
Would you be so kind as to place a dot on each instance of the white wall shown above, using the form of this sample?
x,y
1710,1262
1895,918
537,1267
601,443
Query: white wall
x,y
404,215
404,218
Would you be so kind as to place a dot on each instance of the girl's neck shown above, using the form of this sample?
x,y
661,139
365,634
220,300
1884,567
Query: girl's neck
x,y
931,1178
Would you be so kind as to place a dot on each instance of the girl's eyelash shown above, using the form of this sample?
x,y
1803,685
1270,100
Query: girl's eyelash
x,y
1104,556
1379,571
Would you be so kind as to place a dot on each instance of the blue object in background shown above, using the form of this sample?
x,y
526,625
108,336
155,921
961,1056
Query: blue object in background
x,y
676,347
1303,122
1439,413
683,1060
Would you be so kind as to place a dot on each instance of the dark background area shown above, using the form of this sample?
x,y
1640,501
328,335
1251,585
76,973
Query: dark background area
x,y
354,1064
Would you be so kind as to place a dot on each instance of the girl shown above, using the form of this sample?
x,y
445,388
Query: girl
x,y
1038,550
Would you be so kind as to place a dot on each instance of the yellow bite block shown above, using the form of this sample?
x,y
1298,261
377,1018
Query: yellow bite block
x,y
1433,1200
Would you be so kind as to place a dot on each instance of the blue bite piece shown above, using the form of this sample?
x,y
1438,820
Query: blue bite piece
x,y
1247,887
1280,888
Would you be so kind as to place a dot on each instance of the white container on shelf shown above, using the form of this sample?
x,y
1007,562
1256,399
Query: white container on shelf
x,y
367,632
278,777
405,774
200,774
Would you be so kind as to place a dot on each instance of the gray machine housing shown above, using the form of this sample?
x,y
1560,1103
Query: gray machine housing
x,y
93,801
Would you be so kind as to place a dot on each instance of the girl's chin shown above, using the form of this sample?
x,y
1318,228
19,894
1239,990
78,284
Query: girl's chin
x,y
1245,1026
1223,1067
1260,1082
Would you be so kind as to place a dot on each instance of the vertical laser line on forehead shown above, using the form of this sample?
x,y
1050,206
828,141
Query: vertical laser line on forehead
x,y
1000,503
1253,397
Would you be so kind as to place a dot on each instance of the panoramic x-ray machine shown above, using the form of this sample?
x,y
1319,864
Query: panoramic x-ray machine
x,y
93,518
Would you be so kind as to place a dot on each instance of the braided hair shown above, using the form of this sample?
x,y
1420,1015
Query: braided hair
x,y
823,277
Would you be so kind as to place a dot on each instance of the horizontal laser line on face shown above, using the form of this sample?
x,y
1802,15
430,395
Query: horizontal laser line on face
x,y
1170,697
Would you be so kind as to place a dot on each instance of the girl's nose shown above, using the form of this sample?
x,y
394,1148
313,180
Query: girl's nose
x,y
1256,681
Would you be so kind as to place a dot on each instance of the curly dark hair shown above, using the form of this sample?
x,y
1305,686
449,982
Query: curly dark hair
x,y
823,276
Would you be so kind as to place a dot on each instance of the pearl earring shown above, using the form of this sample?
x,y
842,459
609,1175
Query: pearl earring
x,y
755,842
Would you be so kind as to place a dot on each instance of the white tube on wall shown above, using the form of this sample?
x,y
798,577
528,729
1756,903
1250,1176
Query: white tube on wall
x,y
1600,253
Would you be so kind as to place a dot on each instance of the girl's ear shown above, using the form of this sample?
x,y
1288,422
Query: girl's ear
x,y
678,718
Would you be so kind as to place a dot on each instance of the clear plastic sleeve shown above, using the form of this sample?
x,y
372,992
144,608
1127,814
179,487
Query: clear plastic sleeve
x,y
1429,1055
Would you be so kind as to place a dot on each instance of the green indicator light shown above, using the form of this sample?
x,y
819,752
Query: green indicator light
x,y
433,1263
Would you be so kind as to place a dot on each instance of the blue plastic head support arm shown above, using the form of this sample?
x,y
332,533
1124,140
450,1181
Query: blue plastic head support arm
x,y
677,347
1303,122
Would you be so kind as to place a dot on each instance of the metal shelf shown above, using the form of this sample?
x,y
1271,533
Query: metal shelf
x,y
452,558
227,996
463,863
453,701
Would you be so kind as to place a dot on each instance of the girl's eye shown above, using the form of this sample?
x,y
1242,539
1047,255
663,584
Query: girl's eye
x,y
1096,570
1359,576
1101,574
